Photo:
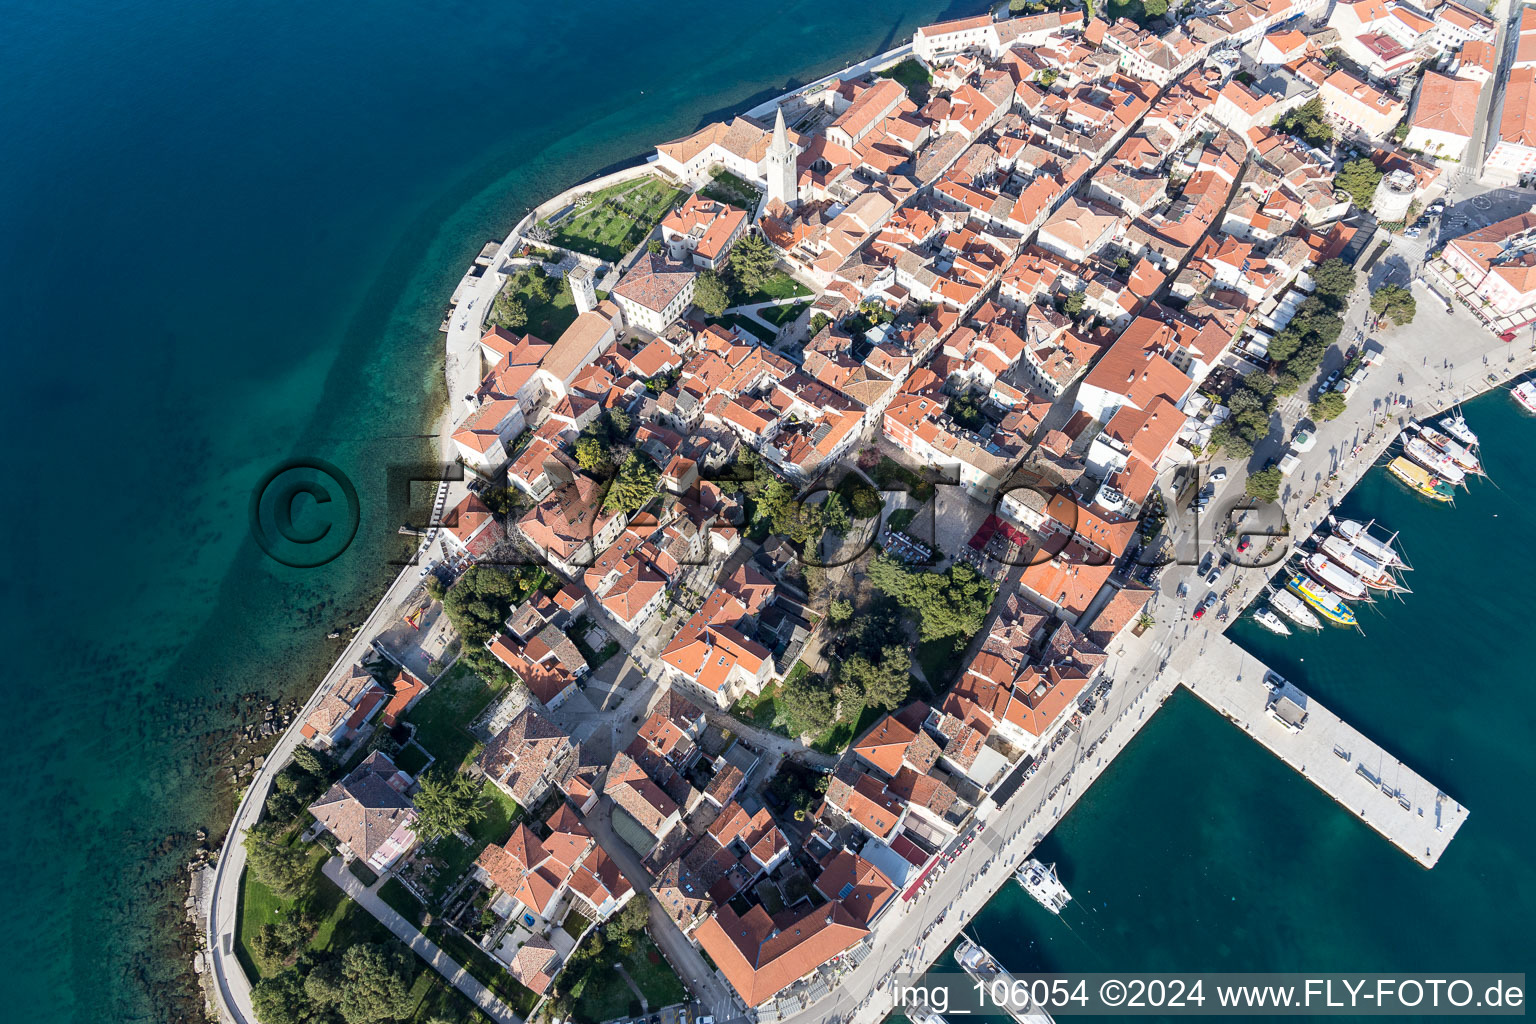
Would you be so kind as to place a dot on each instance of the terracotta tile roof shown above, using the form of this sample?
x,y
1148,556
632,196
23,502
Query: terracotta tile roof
x,y
864,800
524,753
654,281
761,957
531,964
890,744
1118,612
367,807
405,689
860,887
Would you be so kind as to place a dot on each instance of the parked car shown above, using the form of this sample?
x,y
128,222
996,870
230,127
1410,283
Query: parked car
x,y
1205,605
1244,544
1219,473
1205,563
1183,590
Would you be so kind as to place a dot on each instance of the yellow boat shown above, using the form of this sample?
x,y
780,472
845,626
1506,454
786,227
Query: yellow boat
x,y
1421,479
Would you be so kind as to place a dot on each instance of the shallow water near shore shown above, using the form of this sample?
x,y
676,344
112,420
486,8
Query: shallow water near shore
x,y
1198,850
231,232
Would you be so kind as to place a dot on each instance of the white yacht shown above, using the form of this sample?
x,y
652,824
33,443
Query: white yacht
x,y
1293,608
1040,881
1456,425
1434,460
983,966
1272,622
1359,534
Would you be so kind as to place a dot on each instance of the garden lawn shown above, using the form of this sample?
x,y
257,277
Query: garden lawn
x,y
495,827
781,315
836,739
547,320
752,327
450,705
892,475
911,74
341,922
779,286
726,187
402,901
617,219
411,759
483,968
606,995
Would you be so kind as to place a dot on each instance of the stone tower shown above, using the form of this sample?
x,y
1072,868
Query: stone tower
x,y
782,175
583,291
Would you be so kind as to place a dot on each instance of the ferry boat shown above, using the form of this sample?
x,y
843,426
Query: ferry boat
x,y
983,966
1525,394
1040,881
1292,607
1434,460
1326,604
1272,622
1420,479
1456,425
1371,572
1335,577
1359,535
1457,454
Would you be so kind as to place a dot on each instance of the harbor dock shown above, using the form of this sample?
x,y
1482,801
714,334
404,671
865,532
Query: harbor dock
x,y
1333,755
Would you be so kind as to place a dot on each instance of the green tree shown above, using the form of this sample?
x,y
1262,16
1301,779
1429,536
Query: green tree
x,y
1264,485
1284,344
634,485
866,501
1047,77
509,312
807,702
1073,307
592,455
281,999
312,761
884,682
1226,439
376,985
283,868
324,983
1359,178
819,323
950,605
834,516
1308,122
479,602
709,293
1335,279
654,247
1395,303
619,422
752,262
447,802
1155,8
839,612
1328,405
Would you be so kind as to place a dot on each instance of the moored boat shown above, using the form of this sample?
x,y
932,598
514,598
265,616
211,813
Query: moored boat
x,y
1040,881
1453,449
1319,598
1456,425
1434,460
1421,479
1359,535
1525,394
1335,577
1272,622
1292,607
1001,988
1371,572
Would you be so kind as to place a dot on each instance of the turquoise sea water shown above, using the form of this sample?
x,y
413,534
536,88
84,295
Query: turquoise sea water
x,y
230,230
1199,851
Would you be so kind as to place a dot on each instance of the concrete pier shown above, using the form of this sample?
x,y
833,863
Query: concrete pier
x,y
1333,755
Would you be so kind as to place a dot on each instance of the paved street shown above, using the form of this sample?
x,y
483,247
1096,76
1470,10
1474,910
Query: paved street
x,y
685,958
368,899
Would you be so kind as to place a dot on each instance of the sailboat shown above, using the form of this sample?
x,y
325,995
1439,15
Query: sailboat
x,y
1525,394
1457,454
1292,607
1434,460
1272,622
1317,596
1371,572
1456,425
1335,577
1359,535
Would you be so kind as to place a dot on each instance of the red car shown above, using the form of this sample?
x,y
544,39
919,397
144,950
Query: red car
x,y
1199,610
1244,545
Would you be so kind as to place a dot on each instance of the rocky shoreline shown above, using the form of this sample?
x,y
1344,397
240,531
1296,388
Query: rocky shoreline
x,y
246,753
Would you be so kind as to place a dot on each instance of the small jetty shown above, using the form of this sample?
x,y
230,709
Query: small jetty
x,y
1408,810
